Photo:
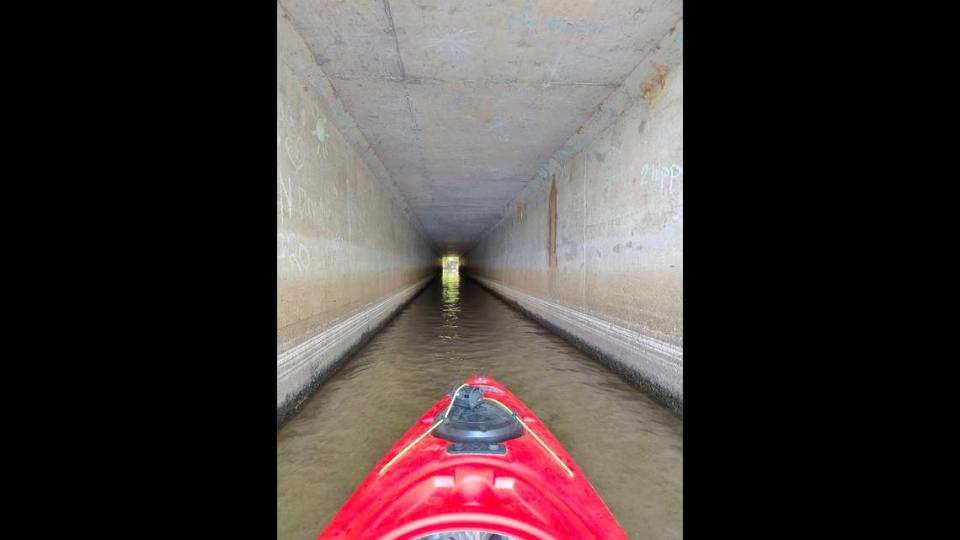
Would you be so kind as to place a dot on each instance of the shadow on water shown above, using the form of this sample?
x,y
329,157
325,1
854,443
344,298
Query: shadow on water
x,y
630,448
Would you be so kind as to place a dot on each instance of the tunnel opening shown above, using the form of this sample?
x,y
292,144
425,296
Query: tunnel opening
x,y
451,264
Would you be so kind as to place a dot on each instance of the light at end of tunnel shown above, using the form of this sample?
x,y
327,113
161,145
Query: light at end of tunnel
x,y
451,263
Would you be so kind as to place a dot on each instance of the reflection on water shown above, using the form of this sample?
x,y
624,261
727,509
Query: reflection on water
x,y
630,448
450,297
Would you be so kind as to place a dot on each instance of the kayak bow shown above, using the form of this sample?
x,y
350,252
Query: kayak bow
x,y
478,465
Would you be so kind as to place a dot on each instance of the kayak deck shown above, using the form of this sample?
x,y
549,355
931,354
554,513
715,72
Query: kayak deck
x,y
509,479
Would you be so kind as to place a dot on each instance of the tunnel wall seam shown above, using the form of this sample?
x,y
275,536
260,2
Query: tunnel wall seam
x,y
654,365
303,368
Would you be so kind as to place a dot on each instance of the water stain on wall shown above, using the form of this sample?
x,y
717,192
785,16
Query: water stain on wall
x,y
552,241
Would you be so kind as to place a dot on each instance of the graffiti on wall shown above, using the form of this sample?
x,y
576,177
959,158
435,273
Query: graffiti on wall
x,y
662,175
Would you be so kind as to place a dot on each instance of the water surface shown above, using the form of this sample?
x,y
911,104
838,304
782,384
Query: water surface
x,y
629,447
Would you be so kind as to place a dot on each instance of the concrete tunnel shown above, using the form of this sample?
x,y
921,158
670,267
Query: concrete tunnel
x,y
539,142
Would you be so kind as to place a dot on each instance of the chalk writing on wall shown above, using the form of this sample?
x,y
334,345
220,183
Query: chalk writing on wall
x,y
664,175
284,116
553,71
309,109
320,132
554,23
454,44
293,252
294,202
295,152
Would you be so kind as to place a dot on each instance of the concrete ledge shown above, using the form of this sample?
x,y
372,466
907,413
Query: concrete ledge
x,y
653,365
303,368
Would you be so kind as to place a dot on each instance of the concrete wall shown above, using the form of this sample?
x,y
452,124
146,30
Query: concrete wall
x,y
348,254
596,250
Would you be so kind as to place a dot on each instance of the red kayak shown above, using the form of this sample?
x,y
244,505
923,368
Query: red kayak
x,y
479,465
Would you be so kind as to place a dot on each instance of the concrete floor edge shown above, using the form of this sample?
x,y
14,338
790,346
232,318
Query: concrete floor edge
x,y
304,368
654,367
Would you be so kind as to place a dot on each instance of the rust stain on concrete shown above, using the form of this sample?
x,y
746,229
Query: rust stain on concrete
x,y
651,89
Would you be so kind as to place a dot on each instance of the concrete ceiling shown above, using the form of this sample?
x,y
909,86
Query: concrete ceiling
x,y
463,101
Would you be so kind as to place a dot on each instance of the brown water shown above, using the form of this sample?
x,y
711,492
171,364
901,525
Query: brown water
x,y
629,447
